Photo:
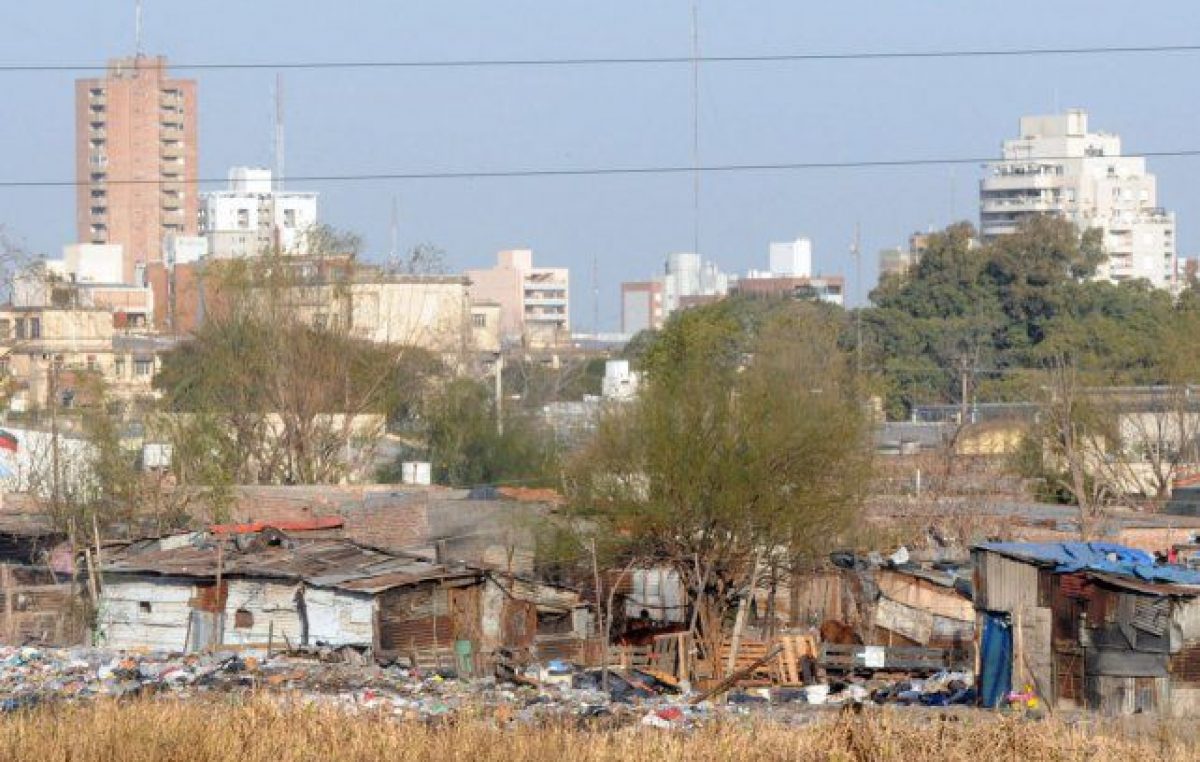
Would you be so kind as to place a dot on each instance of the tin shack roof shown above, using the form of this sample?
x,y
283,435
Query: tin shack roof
x,y
320,563
1117,561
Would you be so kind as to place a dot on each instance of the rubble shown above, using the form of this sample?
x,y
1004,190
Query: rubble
x,y
31,677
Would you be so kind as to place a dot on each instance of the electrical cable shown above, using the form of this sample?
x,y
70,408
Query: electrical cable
x,y
601,171
471,63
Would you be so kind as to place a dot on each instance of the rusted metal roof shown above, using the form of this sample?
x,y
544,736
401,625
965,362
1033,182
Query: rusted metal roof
x,y
320,563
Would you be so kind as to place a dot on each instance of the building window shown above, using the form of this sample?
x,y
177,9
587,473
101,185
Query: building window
x,y
5,328
20,328
243,619
91,363
119,367
479,321
143,366
243,219
35,328
289,218
144,607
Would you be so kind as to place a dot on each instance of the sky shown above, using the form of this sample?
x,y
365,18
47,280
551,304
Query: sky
x,y
614,228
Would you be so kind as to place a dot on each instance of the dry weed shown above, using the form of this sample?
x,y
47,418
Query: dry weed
x,y
262,731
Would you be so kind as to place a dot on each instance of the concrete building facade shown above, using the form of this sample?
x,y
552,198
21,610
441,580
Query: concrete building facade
x,y
534,301
791,259
51,348
830,289
689,280
253,217
1058,167
641,306
135,159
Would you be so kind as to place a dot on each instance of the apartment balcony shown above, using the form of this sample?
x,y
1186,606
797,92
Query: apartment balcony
x,y
547,285
545,301
1009,205
1012,182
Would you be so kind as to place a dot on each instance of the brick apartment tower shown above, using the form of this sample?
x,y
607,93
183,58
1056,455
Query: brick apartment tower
x,y
136,124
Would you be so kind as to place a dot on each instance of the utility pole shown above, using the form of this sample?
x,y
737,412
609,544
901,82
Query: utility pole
x,y
595,298
394,254
696,126
964,370
856,252
500,393
56,471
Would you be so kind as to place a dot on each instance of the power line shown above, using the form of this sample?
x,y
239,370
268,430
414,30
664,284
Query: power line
x,y
664,169
469,63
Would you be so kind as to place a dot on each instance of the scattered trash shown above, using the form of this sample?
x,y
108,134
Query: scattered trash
x,y
555,690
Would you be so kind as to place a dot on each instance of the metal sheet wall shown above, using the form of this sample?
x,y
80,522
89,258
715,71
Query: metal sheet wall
x,y
1002,584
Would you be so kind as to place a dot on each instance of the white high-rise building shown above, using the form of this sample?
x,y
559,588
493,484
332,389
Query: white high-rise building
x,y
252,217
1057,167
791,259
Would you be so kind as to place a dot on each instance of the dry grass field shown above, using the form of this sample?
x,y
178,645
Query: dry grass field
x,y
260,731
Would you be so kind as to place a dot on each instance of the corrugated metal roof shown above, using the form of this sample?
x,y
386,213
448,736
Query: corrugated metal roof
x,y
321,563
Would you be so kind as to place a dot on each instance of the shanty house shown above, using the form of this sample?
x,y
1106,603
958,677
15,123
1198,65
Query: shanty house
x,y
1090,625
195,592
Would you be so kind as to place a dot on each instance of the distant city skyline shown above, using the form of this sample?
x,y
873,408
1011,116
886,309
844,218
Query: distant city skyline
x,y
402,120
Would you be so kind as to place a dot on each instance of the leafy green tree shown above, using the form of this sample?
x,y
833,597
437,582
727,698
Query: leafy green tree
x,y
985,319
747,447
458,435
279,395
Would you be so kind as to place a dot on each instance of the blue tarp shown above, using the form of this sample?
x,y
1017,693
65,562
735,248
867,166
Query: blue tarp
x,y
995,660
1102,557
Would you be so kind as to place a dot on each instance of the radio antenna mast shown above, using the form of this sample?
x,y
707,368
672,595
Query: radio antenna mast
x,y
137,29
279,132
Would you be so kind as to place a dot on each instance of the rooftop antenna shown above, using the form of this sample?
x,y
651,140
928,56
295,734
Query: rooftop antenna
x,y
137,29
279,131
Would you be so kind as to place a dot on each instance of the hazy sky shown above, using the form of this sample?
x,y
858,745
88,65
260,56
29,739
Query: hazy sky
x,y
414,120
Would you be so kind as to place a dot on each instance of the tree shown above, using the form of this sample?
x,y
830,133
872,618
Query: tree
x,y
980,321
457,433
747,447
279,388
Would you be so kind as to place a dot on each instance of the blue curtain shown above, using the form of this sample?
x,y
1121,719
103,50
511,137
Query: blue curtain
x,y
995,662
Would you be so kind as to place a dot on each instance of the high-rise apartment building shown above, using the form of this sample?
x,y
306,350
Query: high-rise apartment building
x,y
1057,167
253,217
135,159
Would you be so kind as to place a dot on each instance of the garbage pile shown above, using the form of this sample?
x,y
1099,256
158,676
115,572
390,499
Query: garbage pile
x,y
536,693
33,676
